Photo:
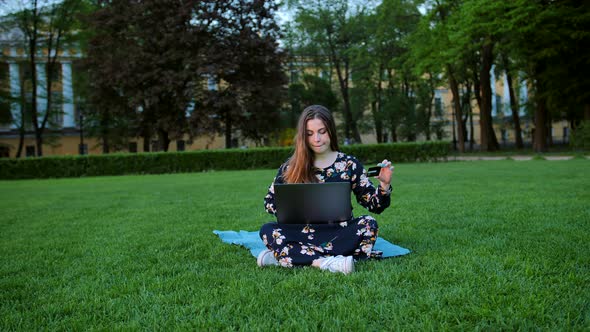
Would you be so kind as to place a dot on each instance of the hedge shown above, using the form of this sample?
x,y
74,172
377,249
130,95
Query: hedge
x,y
202,160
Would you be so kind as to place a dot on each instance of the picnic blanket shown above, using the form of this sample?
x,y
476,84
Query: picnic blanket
x,y
252,241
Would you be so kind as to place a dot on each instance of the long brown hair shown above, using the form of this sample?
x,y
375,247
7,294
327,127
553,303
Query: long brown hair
x,y
300,168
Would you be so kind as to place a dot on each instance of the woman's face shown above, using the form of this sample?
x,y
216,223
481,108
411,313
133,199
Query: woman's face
x,y
318,138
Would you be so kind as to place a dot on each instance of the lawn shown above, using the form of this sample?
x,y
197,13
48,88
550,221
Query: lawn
x,y
500,245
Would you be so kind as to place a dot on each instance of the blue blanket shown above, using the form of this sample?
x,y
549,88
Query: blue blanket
x,y
252,241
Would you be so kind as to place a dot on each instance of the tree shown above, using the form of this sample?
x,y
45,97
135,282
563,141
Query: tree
x,y
8,101
332,27
437,46
550,48
145,75
46,26
311,90
153,76
426,61
397,22
381,70
545,40
247,62
507,67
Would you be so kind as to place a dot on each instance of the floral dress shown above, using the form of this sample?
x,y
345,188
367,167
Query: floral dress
x,y
300,244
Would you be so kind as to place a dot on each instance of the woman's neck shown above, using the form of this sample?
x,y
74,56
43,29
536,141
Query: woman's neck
x,y
325,159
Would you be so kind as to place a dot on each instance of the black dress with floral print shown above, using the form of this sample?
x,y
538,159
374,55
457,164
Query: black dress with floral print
x,y
300,244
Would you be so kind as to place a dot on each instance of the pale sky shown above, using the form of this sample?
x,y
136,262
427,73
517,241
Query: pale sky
x,y
9,6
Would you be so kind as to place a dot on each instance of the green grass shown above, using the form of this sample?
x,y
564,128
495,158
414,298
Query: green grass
x,y
498,245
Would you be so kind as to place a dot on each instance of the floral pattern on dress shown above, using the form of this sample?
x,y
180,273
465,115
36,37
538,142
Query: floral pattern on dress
x,y
277,236
308,230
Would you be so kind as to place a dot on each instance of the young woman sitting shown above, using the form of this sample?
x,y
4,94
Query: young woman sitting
x,y
317,159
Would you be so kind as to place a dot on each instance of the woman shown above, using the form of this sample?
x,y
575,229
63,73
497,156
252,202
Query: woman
x,y
332,247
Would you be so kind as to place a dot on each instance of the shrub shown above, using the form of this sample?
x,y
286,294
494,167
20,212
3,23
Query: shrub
x,y
198,161
581,136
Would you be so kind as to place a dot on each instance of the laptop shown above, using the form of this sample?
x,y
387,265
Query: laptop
x,y
313,203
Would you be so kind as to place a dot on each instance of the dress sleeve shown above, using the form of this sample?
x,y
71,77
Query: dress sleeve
x,y
373,199
269,199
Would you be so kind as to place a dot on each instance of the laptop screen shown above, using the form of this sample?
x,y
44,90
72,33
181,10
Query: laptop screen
x,y
313,203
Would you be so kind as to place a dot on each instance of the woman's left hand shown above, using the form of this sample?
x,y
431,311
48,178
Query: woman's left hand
x,y
385,174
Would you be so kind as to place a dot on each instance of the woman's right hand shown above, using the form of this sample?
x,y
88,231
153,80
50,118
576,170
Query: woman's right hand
x,y
384,176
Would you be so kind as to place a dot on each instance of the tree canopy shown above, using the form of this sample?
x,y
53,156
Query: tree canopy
x,y
396,51
190,66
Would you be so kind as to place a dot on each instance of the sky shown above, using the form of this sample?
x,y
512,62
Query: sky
x,y
9,6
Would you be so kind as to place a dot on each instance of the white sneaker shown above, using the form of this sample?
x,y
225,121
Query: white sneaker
x,y
344,264
266,257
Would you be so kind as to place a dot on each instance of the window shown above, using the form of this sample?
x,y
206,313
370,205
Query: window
x,y
55,72
211,83
25,74
57,114
30,151
4,152
79,114
155,146
4,75
438,107
133,147
83,149
294,76
498,106
180,145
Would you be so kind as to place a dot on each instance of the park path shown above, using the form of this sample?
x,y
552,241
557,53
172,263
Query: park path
x,y
517,158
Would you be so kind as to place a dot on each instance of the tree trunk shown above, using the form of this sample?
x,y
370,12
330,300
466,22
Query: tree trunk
x,y
349,124
350,127
513,104
515,116
378,124
34,106
343,84
540,138
430,106
471,129
393,133
105,145
105,133
228,127
488,139
477,93
21,127
376,107
21,140
548,122
457,108
39,142
163,140
466,106
146,143
477,90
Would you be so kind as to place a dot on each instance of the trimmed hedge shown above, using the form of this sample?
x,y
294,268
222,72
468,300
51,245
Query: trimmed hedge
x,y
202,160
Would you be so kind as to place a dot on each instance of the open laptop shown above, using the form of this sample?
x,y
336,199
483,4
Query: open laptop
x,y
313,203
